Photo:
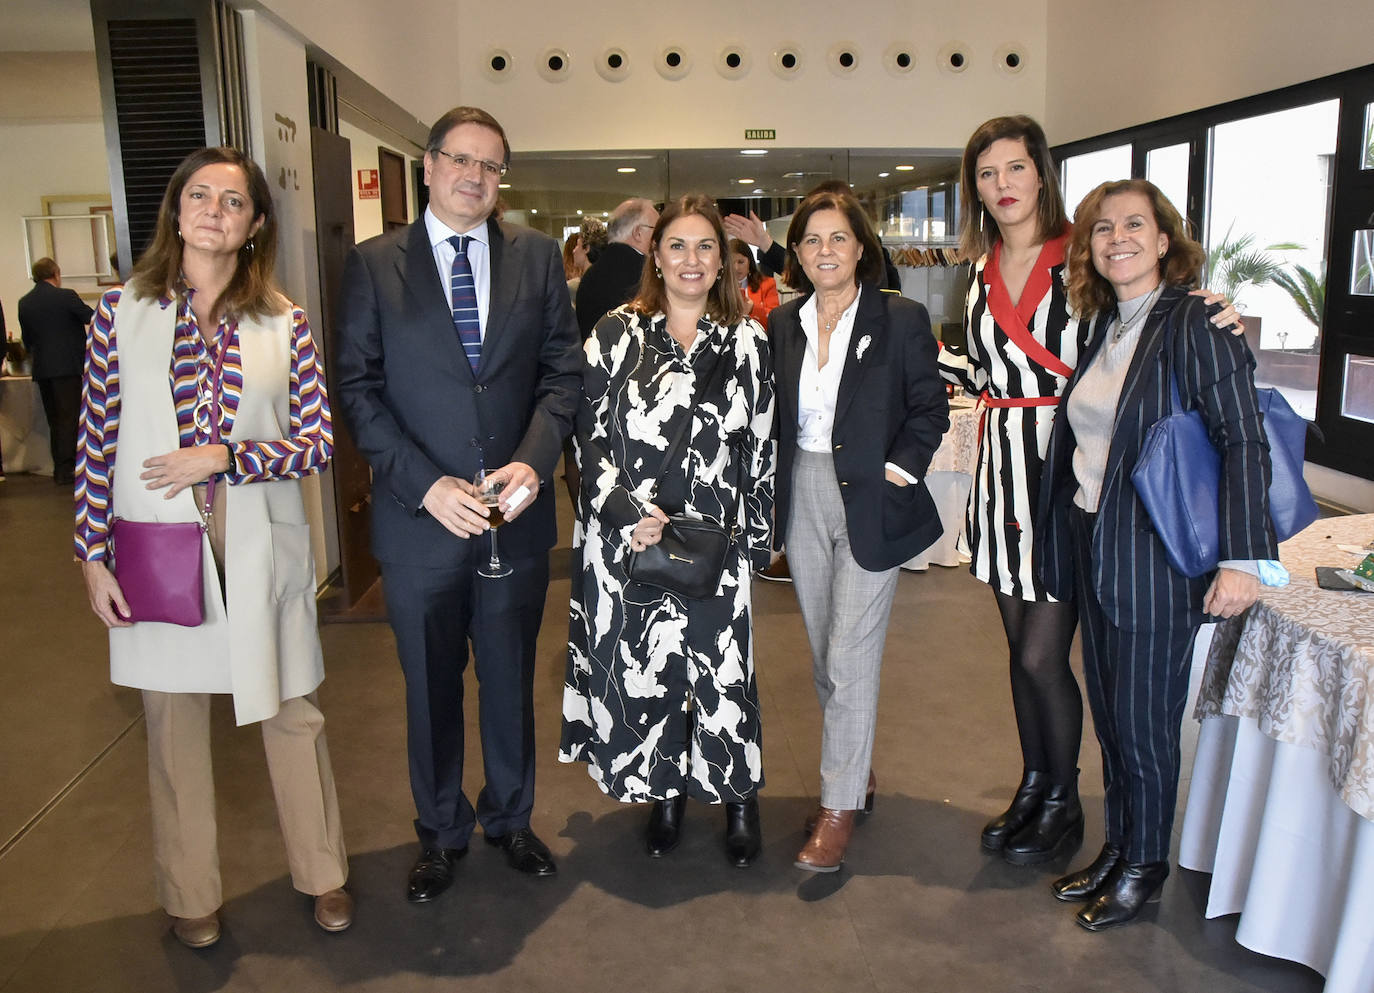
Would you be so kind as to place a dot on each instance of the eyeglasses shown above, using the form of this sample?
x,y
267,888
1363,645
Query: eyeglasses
x,y
492,170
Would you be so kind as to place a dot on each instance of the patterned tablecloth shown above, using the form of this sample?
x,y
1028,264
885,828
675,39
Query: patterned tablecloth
x,y
1300,662
958,451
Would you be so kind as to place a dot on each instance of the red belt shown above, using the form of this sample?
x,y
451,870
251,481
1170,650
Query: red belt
x,y
990,401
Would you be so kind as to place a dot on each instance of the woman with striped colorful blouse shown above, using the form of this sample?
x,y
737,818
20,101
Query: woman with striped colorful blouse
x,y
1024,342
200,368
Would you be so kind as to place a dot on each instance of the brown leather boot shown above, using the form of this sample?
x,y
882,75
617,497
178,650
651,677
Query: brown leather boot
x,y
825,850
869,795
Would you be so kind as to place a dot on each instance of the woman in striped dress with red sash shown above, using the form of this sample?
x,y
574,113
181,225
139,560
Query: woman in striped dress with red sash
x,y
1023,344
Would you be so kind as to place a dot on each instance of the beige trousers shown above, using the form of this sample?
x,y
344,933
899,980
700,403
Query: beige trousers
x,y
181,786
182,789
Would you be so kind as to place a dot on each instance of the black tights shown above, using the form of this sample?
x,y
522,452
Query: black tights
x,y
1044,693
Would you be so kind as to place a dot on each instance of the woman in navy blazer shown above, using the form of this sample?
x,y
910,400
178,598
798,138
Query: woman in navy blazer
x,y
1131,264
861,412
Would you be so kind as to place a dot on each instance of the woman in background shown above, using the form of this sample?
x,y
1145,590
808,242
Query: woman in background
x,y
760,291
201,345
1132,266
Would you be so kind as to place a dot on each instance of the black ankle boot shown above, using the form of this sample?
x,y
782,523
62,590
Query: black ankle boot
x,y
1056,829
743,836
1023,807
1084,884
1129,886
664,830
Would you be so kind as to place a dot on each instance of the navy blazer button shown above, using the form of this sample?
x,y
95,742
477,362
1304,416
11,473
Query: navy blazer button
x,y
838,447
477,388
843,483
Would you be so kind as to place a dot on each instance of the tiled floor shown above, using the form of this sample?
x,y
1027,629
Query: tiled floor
x,y
917,907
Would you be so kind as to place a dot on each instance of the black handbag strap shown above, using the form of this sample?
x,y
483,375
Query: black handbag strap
x,y
681,431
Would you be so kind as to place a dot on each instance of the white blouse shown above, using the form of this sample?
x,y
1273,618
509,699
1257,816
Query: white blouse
x,y
819,388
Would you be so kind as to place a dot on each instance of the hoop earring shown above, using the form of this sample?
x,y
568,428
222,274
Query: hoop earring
x,y
248,246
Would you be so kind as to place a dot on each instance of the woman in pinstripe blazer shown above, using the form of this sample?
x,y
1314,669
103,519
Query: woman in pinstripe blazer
x,y
1131,263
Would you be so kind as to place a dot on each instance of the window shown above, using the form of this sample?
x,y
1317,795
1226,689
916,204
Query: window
x,y
1084,173
1167,168
1267,216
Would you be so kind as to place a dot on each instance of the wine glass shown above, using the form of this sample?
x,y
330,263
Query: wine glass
x,y
489,492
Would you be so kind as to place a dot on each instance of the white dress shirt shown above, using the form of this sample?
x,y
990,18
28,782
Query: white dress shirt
x,y
819,388
479,258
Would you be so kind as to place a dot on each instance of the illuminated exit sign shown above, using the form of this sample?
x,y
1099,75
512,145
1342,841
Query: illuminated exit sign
x,y
760,134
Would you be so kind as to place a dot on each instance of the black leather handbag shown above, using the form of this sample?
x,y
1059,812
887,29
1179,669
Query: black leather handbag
x,y
690,557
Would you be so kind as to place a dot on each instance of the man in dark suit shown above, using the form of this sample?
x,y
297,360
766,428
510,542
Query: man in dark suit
x,y
52,321
614,277
457,351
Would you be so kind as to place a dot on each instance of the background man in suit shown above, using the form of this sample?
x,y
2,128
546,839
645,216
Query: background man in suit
x,y
613,278
458,350
53,323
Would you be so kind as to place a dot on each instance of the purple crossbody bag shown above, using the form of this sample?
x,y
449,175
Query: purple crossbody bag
x,y
159,565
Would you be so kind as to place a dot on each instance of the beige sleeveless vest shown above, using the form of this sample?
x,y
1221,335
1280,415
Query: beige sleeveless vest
x,y
266,647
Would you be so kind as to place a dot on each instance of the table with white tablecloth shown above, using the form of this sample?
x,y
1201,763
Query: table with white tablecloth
x,y
1281,805
23,428
949,479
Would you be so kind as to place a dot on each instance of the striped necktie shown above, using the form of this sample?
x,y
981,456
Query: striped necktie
x,y
463,295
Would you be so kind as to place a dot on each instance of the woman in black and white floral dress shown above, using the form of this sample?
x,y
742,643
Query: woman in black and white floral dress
x,y
660,700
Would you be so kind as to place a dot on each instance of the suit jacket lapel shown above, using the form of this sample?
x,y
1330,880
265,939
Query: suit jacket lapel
x,y
870,325
415,264
505,283
1140,372
793,351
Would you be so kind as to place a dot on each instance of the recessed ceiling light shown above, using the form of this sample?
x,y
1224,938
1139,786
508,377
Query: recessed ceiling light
x,y
884,175
753,151
905,168
758,189
534,210
626,169
579,213
744,182
793,175
503,186
605,213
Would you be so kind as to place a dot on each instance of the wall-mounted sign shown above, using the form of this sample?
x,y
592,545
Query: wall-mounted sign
x,y
369,186
760,134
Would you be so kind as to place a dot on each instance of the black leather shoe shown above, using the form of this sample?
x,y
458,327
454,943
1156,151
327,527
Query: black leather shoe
x,y
1129,886
664,829
1084,884
1023,807
432,873
1055,830
743,836
525,852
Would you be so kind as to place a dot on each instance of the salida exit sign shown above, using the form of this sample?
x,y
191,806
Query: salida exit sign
x,y
760,134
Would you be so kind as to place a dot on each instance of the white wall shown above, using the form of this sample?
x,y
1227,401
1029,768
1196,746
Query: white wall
x,y
408,50
1120,64
926,109
51,143
279,111
367,214
29,170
